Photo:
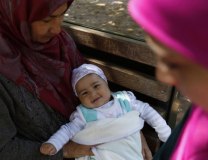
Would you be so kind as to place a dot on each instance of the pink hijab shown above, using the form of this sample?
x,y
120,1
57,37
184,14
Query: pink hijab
x,y
44,69
180,24
183,26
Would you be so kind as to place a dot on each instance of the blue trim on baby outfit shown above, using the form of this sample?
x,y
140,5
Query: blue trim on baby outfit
x,y
91,114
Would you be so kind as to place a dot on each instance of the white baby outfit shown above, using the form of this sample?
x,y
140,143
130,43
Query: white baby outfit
x,y
113,128
112,109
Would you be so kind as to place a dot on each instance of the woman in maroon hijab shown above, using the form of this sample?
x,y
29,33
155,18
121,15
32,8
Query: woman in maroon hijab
x,y
36,59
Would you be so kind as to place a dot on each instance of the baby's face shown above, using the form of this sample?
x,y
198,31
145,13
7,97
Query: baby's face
x,y
93,91
175,69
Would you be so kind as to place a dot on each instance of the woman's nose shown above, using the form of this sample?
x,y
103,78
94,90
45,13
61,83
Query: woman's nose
x,y
56,26
164,74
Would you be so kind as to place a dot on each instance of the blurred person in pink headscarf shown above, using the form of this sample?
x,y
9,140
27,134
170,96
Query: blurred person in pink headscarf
x,y
177,33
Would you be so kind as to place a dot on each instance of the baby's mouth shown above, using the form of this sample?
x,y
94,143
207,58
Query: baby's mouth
x,y
95,100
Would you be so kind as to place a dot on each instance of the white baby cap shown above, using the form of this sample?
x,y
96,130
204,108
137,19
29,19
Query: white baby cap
x,y
84,70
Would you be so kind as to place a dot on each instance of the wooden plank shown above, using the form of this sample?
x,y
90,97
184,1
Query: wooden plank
x,y
134,80
117,45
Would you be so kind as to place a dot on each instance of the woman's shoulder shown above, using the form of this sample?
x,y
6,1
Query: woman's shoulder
x,y
6,87
16,96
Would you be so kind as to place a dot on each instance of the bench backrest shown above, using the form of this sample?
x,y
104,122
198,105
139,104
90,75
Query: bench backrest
x,y
129,65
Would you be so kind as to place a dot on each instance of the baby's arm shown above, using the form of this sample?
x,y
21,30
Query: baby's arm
x,y
64,134
152,117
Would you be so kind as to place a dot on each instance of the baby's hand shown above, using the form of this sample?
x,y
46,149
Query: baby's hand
x,y
47,149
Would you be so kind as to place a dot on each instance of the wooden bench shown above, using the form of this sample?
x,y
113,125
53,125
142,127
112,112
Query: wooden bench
x,y
129,65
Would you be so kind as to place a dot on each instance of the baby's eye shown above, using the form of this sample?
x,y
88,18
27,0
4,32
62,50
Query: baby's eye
x,y
96,86
83,94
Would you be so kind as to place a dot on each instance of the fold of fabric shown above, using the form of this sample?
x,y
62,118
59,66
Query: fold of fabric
x,y
117,138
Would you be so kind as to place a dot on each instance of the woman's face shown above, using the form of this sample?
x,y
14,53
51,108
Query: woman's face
x,y
93,91
187,76
44,30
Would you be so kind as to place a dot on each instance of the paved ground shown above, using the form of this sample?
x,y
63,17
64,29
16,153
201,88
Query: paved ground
x,y
106,15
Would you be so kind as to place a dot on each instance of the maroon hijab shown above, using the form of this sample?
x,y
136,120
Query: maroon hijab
x,y
44,69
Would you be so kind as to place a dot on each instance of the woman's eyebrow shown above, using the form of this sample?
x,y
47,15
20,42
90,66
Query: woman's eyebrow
x,y
54,16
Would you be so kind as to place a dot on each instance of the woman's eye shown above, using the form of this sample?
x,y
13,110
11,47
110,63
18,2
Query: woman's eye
x,y
172,65
47,20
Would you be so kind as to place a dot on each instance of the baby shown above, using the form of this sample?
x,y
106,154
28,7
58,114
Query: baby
x,y
118,114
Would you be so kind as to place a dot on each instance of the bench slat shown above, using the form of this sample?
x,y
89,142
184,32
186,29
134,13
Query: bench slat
x,y
134,80
133,50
